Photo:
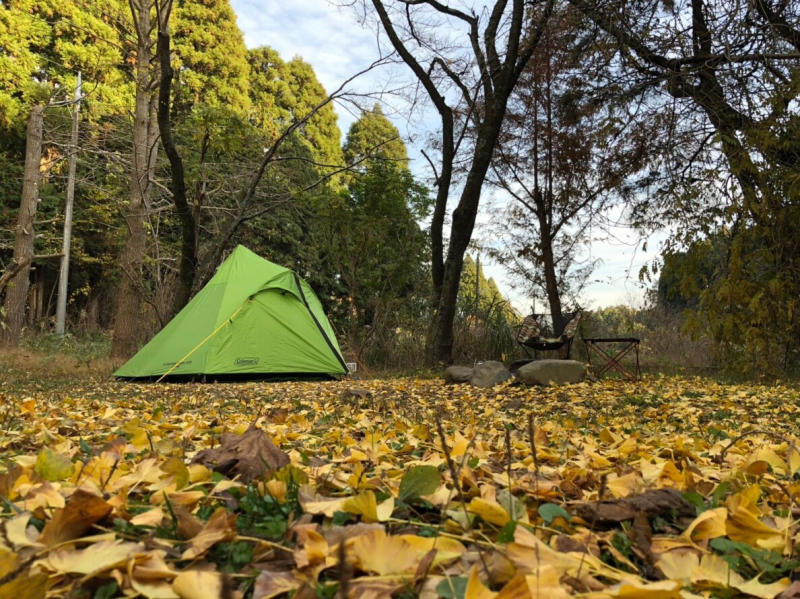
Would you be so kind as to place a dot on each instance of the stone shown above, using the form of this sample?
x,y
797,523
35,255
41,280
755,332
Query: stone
x,y
551,372
457,374
489,374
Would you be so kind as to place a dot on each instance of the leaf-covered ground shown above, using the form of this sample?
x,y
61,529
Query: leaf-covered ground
x,y
673,487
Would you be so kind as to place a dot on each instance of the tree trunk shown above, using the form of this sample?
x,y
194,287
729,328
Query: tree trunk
x,y
23,234
551,283
128,309
461,233
188,265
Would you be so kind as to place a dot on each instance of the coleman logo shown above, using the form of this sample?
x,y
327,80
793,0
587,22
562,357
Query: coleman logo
x,y
245,361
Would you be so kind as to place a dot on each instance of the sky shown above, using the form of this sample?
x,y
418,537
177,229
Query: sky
x,y
330,38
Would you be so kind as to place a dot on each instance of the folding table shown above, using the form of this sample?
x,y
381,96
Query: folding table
x,y
601,346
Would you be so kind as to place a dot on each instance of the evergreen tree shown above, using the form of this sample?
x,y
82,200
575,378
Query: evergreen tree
x,y
210,57
374,135
282,92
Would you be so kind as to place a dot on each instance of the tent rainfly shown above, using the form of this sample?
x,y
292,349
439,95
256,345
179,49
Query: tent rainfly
x,y
252,318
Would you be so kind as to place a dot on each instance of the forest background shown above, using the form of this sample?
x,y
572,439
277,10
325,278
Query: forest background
x,y
676,121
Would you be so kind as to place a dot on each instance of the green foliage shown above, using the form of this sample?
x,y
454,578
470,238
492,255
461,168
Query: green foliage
x,y
485,323
750,561
211,57
370,236
282,92
452,587
262,515
374,136
551,511
418,481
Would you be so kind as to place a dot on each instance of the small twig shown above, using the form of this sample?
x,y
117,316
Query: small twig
x,y
110,474
532,435
721,457
600,492
343,571
508,457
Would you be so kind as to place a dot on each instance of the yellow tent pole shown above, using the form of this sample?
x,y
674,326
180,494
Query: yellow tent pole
x,y
202,343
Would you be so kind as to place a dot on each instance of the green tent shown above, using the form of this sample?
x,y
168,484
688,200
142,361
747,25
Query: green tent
x,y
254,317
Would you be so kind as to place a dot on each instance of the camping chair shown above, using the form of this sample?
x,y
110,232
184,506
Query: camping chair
x,y
536,334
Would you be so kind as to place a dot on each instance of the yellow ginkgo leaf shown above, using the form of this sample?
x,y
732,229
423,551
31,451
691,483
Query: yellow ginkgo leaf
x,y
622,486
366,506
313,548
19,533
475,588
382,554
794,460
8,561
97,557
53,466
663,589
545,583
679,564
152,517
197,584
708,525
447,549
489,511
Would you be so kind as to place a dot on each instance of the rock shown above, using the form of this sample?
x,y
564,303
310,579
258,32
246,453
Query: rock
x,y
551,372
457,374
489,374
517,364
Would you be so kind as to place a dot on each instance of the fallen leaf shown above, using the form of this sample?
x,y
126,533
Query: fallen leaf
x,y
83,509
382,554
221,526
97,557
52,466
198,584
367,507
248,456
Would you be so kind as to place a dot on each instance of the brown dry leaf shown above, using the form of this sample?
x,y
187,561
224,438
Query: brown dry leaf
x,y
248,456
82,510
271,583
221,526
373,588
189,525
652,503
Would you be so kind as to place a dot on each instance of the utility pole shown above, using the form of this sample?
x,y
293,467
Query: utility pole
x,y
63,276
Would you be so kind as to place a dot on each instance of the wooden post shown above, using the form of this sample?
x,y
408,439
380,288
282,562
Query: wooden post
x,y
23,234
63,275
